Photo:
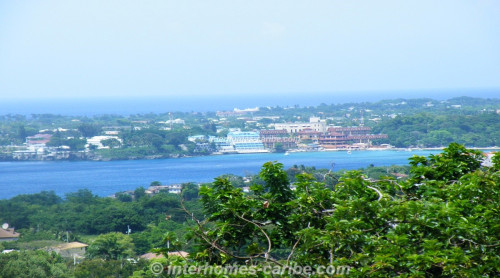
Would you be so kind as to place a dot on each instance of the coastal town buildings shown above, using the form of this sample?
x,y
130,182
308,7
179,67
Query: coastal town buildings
x,y
313,135
271,138
315,124
327,137
348,137
245,141
97,141
38,140
172,188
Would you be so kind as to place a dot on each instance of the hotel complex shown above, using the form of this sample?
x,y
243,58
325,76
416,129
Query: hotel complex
x,y
315,134
244,141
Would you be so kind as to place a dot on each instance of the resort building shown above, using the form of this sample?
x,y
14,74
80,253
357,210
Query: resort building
x,y
344,137
315,124
270,138
245,142
221,144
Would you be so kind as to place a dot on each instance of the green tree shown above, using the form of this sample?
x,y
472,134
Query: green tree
x,y
89,130
106,268
111,246
496,161
32,264
190,191
442,221
112,143
21,133
279,148
75,144
155,183
139,193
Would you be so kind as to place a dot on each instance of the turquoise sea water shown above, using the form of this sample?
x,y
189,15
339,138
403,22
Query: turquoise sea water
x,y
106,178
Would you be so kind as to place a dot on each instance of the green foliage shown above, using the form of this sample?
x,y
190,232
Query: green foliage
x,y
155,183
124,197
106,268
32,264
496,161
112,143
430,130
111,246
47,216
139,193
279,148
75,144
89,130
451,164
442,221
189,191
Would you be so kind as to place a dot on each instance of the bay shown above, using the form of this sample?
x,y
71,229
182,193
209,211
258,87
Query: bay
x,y
109,177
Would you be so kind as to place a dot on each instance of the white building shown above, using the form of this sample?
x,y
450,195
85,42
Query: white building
x,y
315,124
97,141
172,188
197,138
176,121
246,142
221,144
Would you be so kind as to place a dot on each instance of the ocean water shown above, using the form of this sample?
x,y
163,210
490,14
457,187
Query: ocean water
x,y
204,103
109,177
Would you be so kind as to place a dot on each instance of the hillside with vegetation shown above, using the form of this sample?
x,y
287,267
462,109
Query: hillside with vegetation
x,y
440,220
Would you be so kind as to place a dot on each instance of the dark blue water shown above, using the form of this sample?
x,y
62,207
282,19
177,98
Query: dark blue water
x,y
106,178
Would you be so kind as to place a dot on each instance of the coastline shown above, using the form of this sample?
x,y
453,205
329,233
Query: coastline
x,y
157,157
108,177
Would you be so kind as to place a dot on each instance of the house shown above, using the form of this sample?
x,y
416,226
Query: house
x,y
97,141
8,234
70,250
38,140
173,189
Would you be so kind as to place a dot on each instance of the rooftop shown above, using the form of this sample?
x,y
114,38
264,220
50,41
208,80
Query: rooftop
x,y
8,233
70,245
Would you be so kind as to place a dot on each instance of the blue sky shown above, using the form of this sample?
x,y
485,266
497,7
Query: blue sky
x,y
187,48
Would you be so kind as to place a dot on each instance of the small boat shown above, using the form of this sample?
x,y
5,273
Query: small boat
x,y
287,153
349,152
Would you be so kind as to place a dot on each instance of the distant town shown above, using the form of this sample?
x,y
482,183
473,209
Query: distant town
x,y
425,123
